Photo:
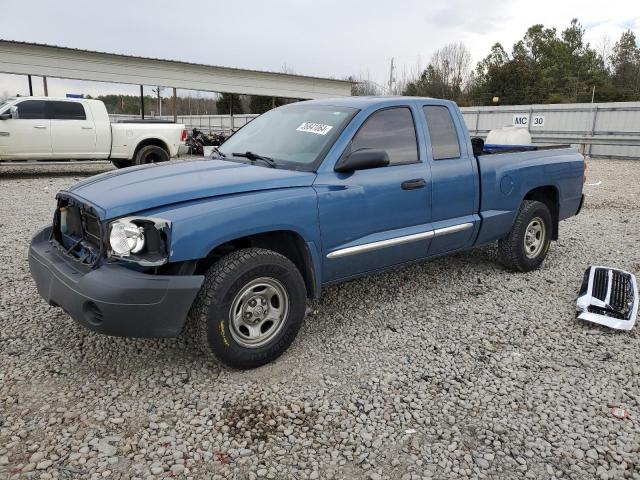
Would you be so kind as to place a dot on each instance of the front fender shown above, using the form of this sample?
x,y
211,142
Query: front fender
x,y
200,226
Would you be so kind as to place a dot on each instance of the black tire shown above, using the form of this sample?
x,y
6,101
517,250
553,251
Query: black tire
x,y
210,325
519,256
151,154
121,163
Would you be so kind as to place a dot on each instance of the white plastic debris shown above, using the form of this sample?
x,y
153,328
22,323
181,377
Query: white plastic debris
x,y
608,297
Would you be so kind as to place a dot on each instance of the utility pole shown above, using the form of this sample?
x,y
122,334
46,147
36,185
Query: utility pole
x,y
391,78
158,92
593,93
46,87
175,104
142,102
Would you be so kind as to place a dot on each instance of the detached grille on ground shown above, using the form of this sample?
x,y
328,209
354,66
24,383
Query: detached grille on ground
x,y
608,297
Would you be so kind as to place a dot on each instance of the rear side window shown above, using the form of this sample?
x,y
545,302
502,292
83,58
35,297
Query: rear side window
x,y
444,137
67,111
31,110
391,130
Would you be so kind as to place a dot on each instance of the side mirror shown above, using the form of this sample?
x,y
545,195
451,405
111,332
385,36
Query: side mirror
x,y
11,113
14,112
362,159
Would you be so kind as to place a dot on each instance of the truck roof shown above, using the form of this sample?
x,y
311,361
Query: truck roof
x,y
70,99
364,102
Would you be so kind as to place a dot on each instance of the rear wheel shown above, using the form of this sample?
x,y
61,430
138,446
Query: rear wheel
x,y
527,244
249,309
151,154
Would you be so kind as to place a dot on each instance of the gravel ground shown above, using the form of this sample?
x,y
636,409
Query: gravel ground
x,y
449,369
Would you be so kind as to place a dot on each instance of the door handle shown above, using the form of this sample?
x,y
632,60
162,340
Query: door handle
x,y
413,184
40,126
87,128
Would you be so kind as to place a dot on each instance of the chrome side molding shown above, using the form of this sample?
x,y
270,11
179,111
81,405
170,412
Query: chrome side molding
x,y
368,247
452,229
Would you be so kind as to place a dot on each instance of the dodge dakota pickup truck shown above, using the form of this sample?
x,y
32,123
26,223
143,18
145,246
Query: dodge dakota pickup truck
x,y
229,249
46,128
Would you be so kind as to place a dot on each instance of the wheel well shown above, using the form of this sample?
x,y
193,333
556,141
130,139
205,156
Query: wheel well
x,y
284,242
549,196
151,141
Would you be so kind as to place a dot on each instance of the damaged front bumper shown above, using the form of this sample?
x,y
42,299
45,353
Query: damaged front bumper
x,y
608,297
112,299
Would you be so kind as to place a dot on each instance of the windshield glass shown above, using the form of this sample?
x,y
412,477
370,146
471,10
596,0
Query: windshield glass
x,y
294,136
3,105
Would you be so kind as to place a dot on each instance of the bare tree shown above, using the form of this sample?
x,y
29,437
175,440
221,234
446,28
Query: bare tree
x,y
447,75
287,69
408,75
363,86
452,64
604,48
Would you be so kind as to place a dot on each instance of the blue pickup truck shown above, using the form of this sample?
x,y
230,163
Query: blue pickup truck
x,y
229,249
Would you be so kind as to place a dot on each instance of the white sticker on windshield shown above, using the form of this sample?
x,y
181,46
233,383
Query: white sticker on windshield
x,y
318,128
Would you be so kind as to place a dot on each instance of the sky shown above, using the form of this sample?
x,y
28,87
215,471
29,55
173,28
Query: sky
x,y
328,38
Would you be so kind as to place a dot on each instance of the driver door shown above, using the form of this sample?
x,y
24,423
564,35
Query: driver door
x,y
27,135
375,218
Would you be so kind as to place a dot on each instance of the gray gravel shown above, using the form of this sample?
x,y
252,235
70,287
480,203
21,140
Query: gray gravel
x,y
450,369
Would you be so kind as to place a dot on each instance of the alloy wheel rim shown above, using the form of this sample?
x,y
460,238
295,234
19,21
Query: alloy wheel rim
x,y
258,312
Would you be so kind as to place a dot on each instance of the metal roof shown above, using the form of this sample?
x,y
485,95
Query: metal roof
x,y
64,62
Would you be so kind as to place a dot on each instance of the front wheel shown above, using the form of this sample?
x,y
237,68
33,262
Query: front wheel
x,y
527,244
249,309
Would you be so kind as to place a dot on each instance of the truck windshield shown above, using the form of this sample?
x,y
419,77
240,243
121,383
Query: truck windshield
x,y
294,136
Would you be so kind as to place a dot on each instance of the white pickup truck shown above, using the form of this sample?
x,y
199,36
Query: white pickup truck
x,y
46,128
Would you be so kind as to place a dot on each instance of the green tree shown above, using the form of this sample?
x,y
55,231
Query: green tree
x,y
543,67
226,101
261,104
625,63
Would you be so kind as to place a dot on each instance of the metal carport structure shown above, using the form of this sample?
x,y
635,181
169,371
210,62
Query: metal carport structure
x,y
70,63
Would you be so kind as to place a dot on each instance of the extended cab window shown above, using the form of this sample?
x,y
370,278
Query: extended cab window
x,y
67,111
31,110
392,130
444,138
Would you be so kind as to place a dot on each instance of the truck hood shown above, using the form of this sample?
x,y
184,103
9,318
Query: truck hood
x,y
122,192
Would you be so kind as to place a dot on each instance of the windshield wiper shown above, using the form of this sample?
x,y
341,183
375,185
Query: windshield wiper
x,y
218,152
254,156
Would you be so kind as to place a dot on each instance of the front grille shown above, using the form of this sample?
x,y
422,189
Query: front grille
x,y
600,283
621,292
616,287
608,297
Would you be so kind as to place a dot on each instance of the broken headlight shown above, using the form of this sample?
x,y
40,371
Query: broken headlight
x,y
141,240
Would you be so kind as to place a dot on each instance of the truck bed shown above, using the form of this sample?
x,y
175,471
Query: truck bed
x,y
505,178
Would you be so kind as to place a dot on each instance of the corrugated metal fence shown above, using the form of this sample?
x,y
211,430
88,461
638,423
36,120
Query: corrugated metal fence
x,y
610,130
